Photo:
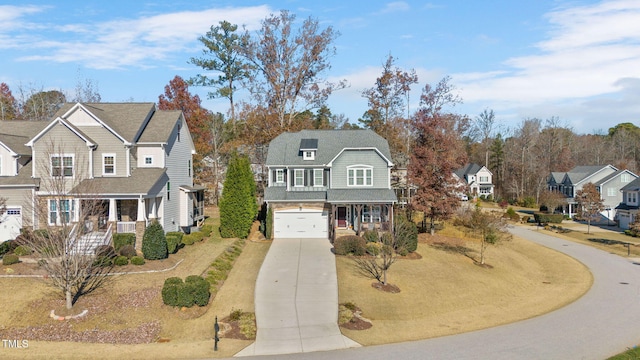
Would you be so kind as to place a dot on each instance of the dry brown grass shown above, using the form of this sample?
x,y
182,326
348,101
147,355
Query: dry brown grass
x,y
445,293
185,334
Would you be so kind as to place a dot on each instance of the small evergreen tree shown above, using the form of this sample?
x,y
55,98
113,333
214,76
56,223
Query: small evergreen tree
x,y
154,242
238,207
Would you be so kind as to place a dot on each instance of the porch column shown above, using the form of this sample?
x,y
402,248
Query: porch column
x,y
358,208
113,210
332,222
141,209
390,212
153,214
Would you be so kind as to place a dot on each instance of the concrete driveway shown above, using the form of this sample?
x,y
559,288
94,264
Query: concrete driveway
x,y
605,321
296,300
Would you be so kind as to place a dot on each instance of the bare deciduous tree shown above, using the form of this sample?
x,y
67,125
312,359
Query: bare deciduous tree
x,y
66,211
289,64
590,203
376,266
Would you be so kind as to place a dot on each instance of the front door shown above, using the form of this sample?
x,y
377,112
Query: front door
x,y
342,217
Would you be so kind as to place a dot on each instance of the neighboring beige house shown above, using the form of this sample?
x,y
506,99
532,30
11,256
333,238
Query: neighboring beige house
x,y
477,178
135,158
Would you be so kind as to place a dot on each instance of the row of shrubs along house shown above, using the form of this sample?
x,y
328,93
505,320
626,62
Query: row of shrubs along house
x,y
136,159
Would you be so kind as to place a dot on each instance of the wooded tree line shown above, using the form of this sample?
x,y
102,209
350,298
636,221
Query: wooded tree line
x,y
280,73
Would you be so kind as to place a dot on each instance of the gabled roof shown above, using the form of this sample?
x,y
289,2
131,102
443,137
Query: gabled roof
x,y
69,126
469,169
581,173
557,177
613,176
15,134
284,149
632,186
125,119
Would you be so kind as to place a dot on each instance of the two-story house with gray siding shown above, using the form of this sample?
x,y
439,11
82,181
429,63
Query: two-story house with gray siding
x,y
134,158
627,210
608,180
320,181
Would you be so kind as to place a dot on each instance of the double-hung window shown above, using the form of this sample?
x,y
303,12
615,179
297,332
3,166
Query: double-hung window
x,y
279,176
298,175
62,165
359,176
61,211
108,164
318,177
484,179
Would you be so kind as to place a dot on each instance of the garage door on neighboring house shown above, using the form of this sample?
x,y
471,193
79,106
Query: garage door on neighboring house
x,y
624,219
300,223
10,223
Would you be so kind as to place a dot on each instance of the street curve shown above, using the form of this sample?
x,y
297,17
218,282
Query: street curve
x,y
602,323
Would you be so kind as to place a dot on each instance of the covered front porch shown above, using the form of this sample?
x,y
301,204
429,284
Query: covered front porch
x,y
359,217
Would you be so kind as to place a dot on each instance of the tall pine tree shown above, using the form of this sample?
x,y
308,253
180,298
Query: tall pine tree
x,y
238,207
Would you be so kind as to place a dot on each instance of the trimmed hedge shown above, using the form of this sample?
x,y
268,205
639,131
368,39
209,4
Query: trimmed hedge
x,y
137,260
350,244
122,239
154,242
22,250
190,239
542,218
10,259
370,236
206,230
121,260
193,291
128,251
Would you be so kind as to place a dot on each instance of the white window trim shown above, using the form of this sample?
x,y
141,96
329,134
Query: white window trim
x,y
148,157
72,210
625,178
315,177
295,177
308,155
104,165
279,174
611,191
352,171
62,167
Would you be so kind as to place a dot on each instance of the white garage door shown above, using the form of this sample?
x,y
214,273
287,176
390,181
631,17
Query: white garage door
x,y
300,224
625,220
10,223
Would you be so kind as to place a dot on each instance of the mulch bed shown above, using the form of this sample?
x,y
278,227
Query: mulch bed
x,y
231,330
390,288
357,323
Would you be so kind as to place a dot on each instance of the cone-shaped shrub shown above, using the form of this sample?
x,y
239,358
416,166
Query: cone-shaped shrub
x,y
154,242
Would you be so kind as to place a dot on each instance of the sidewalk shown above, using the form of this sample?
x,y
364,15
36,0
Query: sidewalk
x,y
296,300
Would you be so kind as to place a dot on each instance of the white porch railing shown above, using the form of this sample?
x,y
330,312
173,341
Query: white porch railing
x,y
126,227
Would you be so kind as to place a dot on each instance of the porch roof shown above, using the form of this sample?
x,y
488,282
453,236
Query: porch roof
x,y
361,196
141,182
280,193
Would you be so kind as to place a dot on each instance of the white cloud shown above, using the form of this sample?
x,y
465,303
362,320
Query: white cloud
x,y
395,6
588,51
141,41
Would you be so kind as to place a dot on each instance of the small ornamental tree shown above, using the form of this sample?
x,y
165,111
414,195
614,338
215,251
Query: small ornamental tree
x,y
490,228
154,242
238,207
589,203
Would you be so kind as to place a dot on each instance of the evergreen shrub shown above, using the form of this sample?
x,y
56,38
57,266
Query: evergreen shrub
x,y
154,242
122,239
350,244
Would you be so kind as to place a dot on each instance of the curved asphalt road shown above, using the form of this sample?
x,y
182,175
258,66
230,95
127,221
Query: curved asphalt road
x,y
605,321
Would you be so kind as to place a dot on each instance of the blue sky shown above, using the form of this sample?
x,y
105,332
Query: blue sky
x,y
578,60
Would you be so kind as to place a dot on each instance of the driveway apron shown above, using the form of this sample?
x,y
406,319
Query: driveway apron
x,y
296,300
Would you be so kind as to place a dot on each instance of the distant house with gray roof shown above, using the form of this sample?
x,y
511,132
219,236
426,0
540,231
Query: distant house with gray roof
x,y
608,180
136,158
324,181
477,178
627,210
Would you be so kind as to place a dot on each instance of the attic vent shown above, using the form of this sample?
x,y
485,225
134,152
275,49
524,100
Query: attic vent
x,y
308,148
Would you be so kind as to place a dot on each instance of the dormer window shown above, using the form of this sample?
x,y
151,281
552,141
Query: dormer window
x,y
309,155
308,148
